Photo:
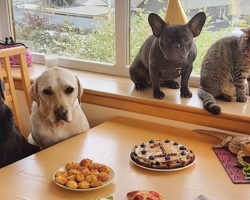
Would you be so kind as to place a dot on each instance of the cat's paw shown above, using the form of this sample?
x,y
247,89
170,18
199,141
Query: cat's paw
x,y
241,98
186,93
159,94
140,86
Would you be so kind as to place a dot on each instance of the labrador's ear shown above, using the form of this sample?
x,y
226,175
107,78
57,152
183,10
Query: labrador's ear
x,y
2,88
80,89
33,91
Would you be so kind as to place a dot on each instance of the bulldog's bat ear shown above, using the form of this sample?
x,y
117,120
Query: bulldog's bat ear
x,y
196,23
156,23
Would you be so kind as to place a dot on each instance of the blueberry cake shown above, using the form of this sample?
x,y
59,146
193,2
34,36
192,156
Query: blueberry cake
x,y
160,154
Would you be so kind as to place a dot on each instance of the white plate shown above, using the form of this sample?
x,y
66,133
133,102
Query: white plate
x,y
105,183
164,170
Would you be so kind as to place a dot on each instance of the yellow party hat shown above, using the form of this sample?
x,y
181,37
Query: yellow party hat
x,y
175,13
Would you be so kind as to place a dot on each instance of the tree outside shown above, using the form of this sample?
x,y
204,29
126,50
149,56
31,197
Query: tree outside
x,y
98,44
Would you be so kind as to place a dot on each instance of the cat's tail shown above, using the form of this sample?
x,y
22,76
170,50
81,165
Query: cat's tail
x,y
209,102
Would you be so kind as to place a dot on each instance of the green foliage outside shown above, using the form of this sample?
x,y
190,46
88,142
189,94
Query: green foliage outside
x,y
60,2
247,18
139,32
205,40
99,44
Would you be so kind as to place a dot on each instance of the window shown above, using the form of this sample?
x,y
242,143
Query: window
x,y
82,32
105,35
224,17
74,29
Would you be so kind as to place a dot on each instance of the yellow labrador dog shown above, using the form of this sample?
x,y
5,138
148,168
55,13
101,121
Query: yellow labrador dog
x,y
56,111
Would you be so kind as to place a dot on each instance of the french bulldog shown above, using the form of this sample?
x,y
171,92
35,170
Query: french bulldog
x,y
166,55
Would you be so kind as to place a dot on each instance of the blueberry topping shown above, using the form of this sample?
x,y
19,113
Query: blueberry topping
x,y
143,151
167,158
183,148
176,143
157,163
143,145
167,141
151,141
151,157
183,153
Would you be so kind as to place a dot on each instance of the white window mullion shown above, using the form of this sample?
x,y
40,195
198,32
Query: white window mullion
x,y
4,20
121,35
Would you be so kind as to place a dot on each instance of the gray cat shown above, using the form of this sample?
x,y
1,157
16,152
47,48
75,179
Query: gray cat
x,y
224,70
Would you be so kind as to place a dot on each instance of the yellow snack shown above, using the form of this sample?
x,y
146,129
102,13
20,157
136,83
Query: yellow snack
x,y
103,176
73,172
94,166
95,183
83,185
71,184
86,173
61,173
90,178
94,172
71,178
79,177
72,165
60,179
86,162
104,168
83,168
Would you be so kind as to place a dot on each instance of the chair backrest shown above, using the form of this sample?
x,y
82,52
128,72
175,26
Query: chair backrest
x,y
6,76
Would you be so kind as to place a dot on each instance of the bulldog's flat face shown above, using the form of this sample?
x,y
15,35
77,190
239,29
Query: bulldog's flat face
x,y
176,42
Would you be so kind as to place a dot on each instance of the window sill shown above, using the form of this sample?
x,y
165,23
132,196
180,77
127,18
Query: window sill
x,y
118,93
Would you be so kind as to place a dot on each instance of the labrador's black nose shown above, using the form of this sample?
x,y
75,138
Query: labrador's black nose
x,y
61,112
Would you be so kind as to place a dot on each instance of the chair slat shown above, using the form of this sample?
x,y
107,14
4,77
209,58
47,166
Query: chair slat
x,y
25,79
3,74
6,76
7,86
9,79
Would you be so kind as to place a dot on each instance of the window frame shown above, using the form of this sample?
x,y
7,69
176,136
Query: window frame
x,y
120,67
4,19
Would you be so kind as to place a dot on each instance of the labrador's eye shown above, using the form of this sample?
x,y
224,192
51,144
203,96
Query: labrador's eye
x,y
47,92
69,90
186,39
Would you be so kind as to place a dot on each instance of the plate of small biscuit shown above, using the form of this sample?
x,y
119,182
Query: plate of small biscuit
x,y
84,176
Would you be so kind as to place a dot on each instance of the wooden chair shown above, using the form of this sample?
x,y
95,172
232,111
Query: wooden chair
x,y
6,76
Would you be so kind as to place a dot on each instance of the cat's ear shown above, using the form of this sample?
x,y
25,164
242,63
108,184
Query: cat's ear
x,y
196,23
246,32
156,23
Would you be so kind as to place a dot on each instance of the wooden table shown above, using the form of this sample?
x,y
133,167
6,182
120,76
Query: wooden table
x,y
111,143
